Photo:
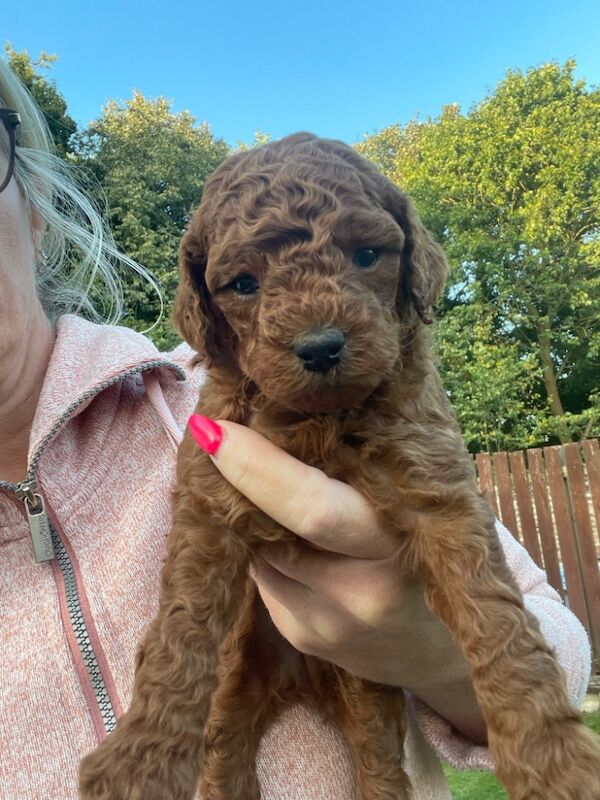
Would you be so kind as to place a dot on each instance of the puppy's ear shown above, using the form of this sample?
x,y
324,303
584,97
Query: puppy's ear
x,y
424,265
200,322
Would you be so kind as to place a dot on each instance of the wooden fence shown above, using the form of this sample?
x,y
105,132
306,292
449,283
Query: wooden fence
x,y
549,498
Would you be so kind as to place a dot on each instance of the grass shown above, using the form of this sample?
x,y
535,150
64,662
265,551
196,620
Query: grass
x,y
482,785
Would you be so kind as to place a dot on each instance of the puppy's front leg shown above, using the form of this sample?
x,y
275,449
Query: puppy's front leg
x,y
155,751
373,720
541,749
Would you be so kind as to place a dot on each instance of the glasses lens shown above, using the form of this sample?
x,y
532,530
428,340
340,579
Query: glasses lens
x,y
4,153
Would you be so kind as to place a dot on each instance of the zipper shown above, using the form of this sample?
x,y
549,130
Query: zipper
x,y
39,524
48,545
81,633
27,489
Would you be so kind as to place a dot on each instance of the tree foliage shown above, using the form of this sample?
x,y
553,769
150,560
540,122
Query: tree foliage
x,y
512,189
152,165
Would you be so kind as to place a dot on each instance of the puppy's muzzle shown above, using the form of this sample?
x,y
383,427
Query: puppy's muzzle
x,y
320,351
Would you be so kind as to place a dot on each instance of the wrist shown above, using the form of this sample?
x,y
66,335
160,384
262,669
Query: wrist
x,y
445,685
429,658
438,675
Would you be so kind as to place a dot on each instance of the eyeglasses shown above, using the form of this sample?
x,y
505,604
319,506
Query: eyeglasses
x,y
8,139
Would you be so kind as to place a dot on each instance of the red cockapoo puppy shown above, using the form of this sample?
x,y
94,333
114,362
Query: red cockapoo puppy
x,y
307,282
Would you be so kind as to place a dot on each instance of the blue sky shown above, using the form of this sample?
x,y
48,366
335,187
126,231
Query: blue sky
x,y
338,69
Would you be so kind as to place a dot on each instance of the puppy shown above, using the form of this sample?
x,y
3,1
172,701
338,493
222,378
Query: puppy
x,y
307,286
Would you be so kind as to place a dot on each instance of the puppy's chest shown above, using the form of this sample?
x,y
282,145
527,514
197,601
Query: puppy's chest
x,y
381,457
326,444
368,458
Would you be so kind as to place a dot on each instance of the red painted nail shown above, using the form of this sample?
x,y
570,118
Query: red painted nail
x,y
206,432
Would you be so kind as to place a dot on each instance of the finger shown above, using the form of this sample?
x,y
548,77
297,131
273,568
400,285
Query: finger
x,y
306,621
324,511
362,588
325,573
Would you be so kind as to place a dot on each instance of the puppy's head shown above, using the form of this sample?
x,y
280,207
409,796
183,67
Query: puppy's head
x,y
305,268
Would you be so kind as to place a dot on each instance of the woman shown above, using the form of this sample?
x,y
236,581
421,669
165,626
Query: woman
x,y
90,417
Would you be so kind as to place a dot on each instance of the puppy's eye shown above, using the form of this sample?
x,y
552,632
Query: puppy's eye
x,y
244,284
365,257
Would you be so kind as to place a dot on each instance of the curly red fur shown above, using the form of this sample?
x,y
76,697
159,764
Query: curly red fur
x,y
213,671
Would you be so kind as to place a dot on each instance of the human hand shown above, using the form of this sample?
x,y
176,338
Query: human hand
x,y
339,594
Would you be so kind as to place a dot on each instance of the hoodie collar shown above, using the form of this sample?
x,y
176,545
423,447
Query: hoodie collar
x,y
85,360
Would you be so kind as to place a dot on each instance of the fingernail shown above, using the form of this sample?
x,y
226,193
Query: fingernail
x,y
206,432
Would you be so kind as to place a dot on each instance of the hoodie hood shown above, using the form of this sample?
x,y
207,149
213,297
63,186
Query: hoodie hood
x,y
86,359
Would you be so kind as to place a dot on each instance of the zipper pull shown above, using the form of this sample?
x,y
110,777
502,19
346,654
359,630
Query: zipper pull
x,y
39,525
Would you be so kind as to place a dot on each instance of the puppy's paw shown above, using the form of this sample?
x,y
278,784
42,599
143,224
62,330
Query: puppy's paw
x,y
578,765
128,768
111,774
563,765
237,785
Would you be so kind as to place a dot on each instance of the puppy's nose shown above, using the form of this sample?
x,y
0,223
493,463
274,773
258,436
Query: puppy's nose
x,y
320,350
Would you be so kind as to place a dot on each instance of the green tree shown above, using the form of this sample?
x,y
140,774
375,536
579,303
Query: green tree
x,y
512,189
44,91
152,165
492,383
260,138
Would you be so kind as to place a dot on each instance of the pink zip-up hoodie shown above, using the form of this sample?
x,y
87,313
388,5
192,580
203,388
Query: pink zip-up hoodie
x,y
102,453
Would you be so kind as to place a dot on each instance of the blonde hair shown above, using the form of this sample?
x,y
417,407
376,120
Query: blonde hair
x,y
80,257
